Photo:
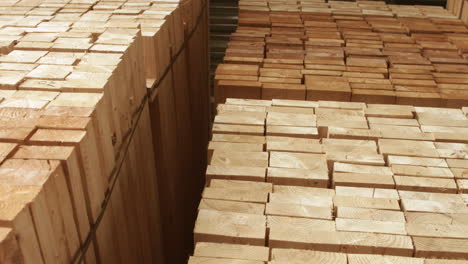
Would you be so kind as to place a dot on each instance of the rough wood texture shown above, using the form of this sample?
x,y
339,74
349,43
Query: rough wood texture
x,y
85,147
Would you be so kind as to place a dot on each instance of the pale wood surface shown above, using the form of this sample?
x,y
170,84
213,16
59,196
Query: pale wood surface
x,y
355,194
246,252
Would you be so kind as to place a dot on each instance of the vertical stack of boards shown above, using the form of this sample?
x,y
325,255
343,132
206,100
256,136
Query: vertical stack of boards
x,y
459,8
334,183
104,122
364,51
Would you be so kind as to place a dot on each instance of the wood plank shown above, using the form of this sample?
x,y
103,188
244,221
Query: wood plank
x,y
198,260
362,259
355,168
292,131
242,185
370,226
365,202
302,199
379,244
18,215
315,162
436,218
293,147
315,177
424,184
431,162
231,206
367,192
303,190
433,206
286,119
224,227
436,230
244,173
231,251
422,171
235,195
244,159
9,250
370,214
279,255
363,180
298,210
440,247
407,148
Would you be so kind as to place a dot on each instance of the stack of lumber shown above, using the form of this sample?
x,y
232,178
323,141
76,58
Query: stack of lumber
x,y
364,51
86,149
334,182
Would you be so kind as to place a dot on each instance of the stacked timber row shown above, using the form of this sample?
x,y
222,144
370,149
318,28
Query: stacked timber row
x,y
363,51
334,182
90,158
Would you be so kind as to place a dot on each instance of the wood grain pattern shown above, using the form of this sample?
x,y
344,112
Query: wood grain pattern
x,y
74,96
246,252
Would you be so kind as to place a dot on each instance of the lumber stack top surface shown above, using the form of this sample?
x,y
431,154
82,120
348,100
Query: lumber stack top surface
x,y
334,182
73,83
364,51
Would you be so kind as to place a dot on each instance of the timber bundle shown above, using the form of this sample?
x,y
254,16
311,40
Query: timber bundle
x,y
334,183
364,51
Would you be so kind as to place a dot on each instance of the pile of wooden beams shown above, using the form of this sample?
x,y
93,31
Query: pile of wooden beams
x,y
97,103
334,182
364,51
